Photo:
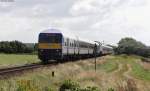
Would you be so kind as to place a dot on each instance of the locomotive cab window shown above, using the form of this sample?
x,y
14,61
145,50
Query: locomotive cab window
x,y
50,38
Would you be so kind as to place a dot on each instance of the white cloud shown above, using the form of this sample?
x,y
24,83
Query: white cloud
x,y
108,20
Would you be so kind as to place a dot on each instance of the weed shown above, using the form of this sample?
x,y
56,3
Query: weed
x,y
27,85
69,85
110,89
129,86
48,89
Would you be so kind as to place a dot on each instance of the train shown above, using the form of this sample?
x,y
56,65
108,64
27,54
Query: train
x,y
53,44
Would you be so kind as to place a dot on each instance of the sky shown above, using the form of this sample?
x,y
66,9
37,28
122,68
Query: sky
x,y
100,20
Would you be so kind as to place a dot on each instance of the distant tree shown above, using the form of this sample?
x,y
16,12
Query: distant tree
x,y
36,47
131,46
14,47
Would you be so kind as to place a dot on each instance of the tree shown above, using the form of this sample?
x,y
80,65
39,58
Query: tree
x,y
14,47
130,46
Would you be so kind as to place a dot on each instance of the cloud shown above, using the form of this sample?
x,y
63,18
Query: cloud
x,y
108,20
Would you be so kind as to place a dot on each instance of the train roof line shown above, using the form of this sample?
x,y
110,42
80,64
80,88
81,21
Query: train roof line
x,y
67,34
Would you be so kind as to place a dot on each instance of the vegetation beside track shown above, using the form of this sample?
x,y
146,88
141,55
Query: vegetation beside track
x,y
7,60
139,72
109,66
113,74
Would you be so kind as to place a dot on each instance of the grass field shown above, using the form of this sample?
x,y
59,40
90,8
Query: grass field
x,y
16,59
122,73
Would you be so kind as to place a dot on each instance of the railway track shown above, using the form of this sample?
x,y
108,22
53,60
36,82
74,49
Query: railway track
x,y
8,72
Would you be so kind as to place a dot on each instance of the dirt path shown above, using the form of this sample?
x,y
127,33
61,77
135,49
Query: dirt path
x,y
120,66
130,80
127,73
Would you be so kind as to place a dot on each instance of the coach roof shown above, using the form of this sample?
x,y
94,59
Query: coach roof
x,y
67,34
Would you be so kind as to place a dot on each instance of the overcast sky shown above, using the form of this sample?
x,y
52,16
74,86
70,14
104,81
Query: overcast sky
x,y
102,20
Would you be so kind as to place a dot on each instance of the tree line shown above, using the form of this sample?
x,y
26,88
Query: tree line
x,y
132,46
125,46
16,47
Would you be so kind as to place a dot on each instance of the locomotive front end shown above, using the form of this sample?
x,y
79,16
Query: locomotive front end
x,y
50,46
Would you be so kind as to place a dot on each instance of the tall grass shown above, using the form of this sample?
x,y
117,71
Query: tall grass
x,y
129,85
106,77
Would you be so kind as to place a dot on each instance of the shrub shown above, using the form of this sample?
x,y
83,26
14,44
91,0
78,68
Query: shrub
x,y
69,85
90,89
110,89
48,89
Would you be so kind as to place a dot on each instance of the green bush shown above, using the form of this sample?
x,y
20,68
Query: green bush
x,y
69,85
90,89
48,89
110,89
